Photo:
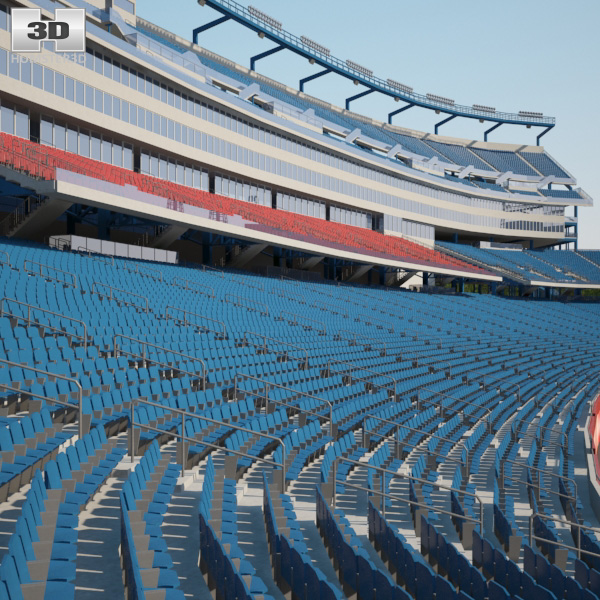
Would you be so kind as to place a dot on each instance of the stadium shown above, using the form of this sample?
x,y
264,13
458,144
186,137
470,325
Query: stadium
x,y
258,345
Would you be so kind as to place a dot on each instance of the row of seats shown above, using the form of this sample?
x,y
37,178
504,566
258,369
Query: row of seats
x,y
42,160
42,551
144,499
293,568
222,561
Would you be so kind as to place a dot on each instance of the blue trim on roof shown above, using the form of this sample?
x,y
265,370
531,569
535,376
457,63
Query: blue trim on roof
x,y
293,43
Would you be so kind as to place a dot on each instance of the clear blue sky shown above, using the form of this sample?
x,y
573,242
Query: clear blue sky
x,y
538,55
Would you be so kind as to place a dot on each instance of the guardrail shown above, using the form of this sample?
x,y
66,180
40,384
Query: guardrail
x,y
295,320
537,470
572,524
97,255
336,310
141,270
189,284
111,296
195,441
415,430
213,270
247,303
443,409
379,323
118,350
516,436
269,385
265,348
42,266
51,377
398,475
29,320
354,340
358,368
222,332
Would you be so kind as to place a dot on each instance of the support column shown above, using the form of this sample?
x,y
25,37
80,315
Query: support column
x,y
311,77
543,134
257,57
196,32
438,125
352,98
485,135
397,112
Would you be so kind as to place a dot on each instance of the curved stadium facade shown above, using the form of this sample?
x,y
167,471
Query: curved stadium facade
x,y
218,314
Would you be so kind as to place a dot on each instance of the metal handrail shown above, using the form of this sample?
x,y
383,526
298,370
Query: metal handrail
x,y
99,254
367,318
487,410
285,277
10,388
357,335
550,443
50,375
319,291
408,501
538,470
399,475
425,336
186,322
209,268
140,272
294,407
295,298
414,430
264,346
359,368
336,309
482,377
263,311
270,384
258,285
296,317
195,283
530,436
184,438
579,527
7,258
44,310
506,383
114,289
42,265
144,343
398,443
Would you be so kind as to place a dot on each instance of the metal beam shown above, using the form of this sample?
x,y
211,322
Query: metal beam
x,y
438,125
295,44
397,112
352,98
542,134
263,55
210,25
311,77
488,131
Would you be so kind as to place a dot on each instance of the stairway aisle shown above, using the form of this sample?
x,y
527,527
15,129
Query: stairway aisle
x,y
251,532
181,531
98,571
302,494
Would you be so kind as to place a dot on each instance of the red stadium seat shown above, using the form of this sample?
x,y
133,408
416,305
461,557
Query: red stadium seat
x,y
41,162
